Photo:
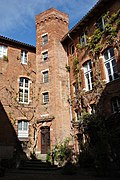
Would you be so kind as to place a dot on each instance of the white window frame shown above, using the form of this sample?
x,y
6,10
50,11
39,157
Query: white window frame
x,y
115,101
102,21
72,49
83,39
44,56
110,73
45,101
24,57
23,89
43,74
3,51
44,42
23,132
87,74
77,116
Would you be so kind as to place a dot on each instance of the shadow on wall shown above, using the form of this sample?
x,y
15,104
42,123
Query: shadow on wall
x,y
9,142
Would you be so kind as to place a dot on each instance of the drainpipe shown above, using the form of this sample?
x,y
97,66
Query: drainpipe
x,y
71,116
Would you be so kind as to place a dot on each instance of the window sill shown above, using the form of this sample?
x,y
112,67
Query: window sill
x,y
45,103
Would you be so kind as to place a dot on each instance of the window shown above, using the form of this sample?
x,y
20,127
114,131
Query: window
x,y
88,75
92,109
72,49
45,56
45,39
24,86
23,57
77,115
110,65
101,23
3,51
83,40
115,104
45,97
23,129
45,76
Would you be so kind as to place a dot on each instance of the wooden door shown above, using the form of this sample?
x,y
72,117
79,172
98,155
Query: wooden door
x,y
45,140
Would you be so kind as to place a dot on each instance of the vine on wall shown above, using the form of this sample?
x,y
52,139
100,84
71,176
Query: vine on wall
x,y
95,43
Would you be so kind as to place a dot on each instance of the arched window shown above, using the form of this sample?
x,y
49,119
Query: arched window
x,y
88,75
115,104
23,128
110,65
24,90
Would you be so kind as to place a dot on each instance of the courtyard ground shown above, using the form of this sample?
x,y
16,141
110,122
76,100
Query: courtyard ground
x,y
53,175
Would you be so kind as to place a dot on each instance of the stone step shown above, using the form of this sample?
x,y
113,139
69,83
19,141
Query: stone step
x,y
36,165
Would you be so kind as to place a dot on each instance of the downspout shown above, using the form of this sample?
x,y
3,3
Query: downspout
x,y
71,115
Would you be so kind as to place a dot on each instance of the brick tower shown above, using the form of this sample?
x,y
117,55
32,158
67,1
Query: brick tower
x,y
53,116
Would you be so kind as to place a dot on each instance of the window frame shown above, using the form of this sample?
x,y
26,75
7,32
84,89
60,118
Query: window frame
x,y
109,71
45,79
23,89
45,100
87,73
45,56
24,57
72,49
3,51
83,39
44,41
115,100
23,132
101,23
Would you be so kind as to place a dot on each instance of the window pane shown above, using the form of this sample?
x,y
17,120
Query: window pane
x,y
45,39
21,95
24,90
24,57
26,82
83,39
3,51
45,56
45,77
111,52
111,65
19,125
21,82
88,75
72,49
46,97
25,125
106,56
116,104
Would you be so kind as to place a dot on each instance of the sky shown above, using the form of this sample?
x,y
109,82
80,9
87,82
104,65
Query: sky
x,y
17,17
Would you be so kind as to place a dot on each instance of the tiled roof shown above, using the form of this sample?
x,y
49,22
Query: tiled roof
x,y
12,41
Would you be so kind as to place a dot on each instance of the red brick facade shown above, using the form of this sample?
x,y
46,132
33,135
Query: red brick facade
x,y
88,95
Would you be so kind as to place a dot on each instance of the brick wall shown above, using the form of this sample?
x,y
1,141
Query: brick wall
x,y
55,23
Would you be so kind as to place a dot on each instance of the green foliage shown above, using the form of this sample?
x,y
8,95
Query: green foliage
x,y
95,42
102,150
5,58
78,46
62,152
75,61
48,157
67,68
